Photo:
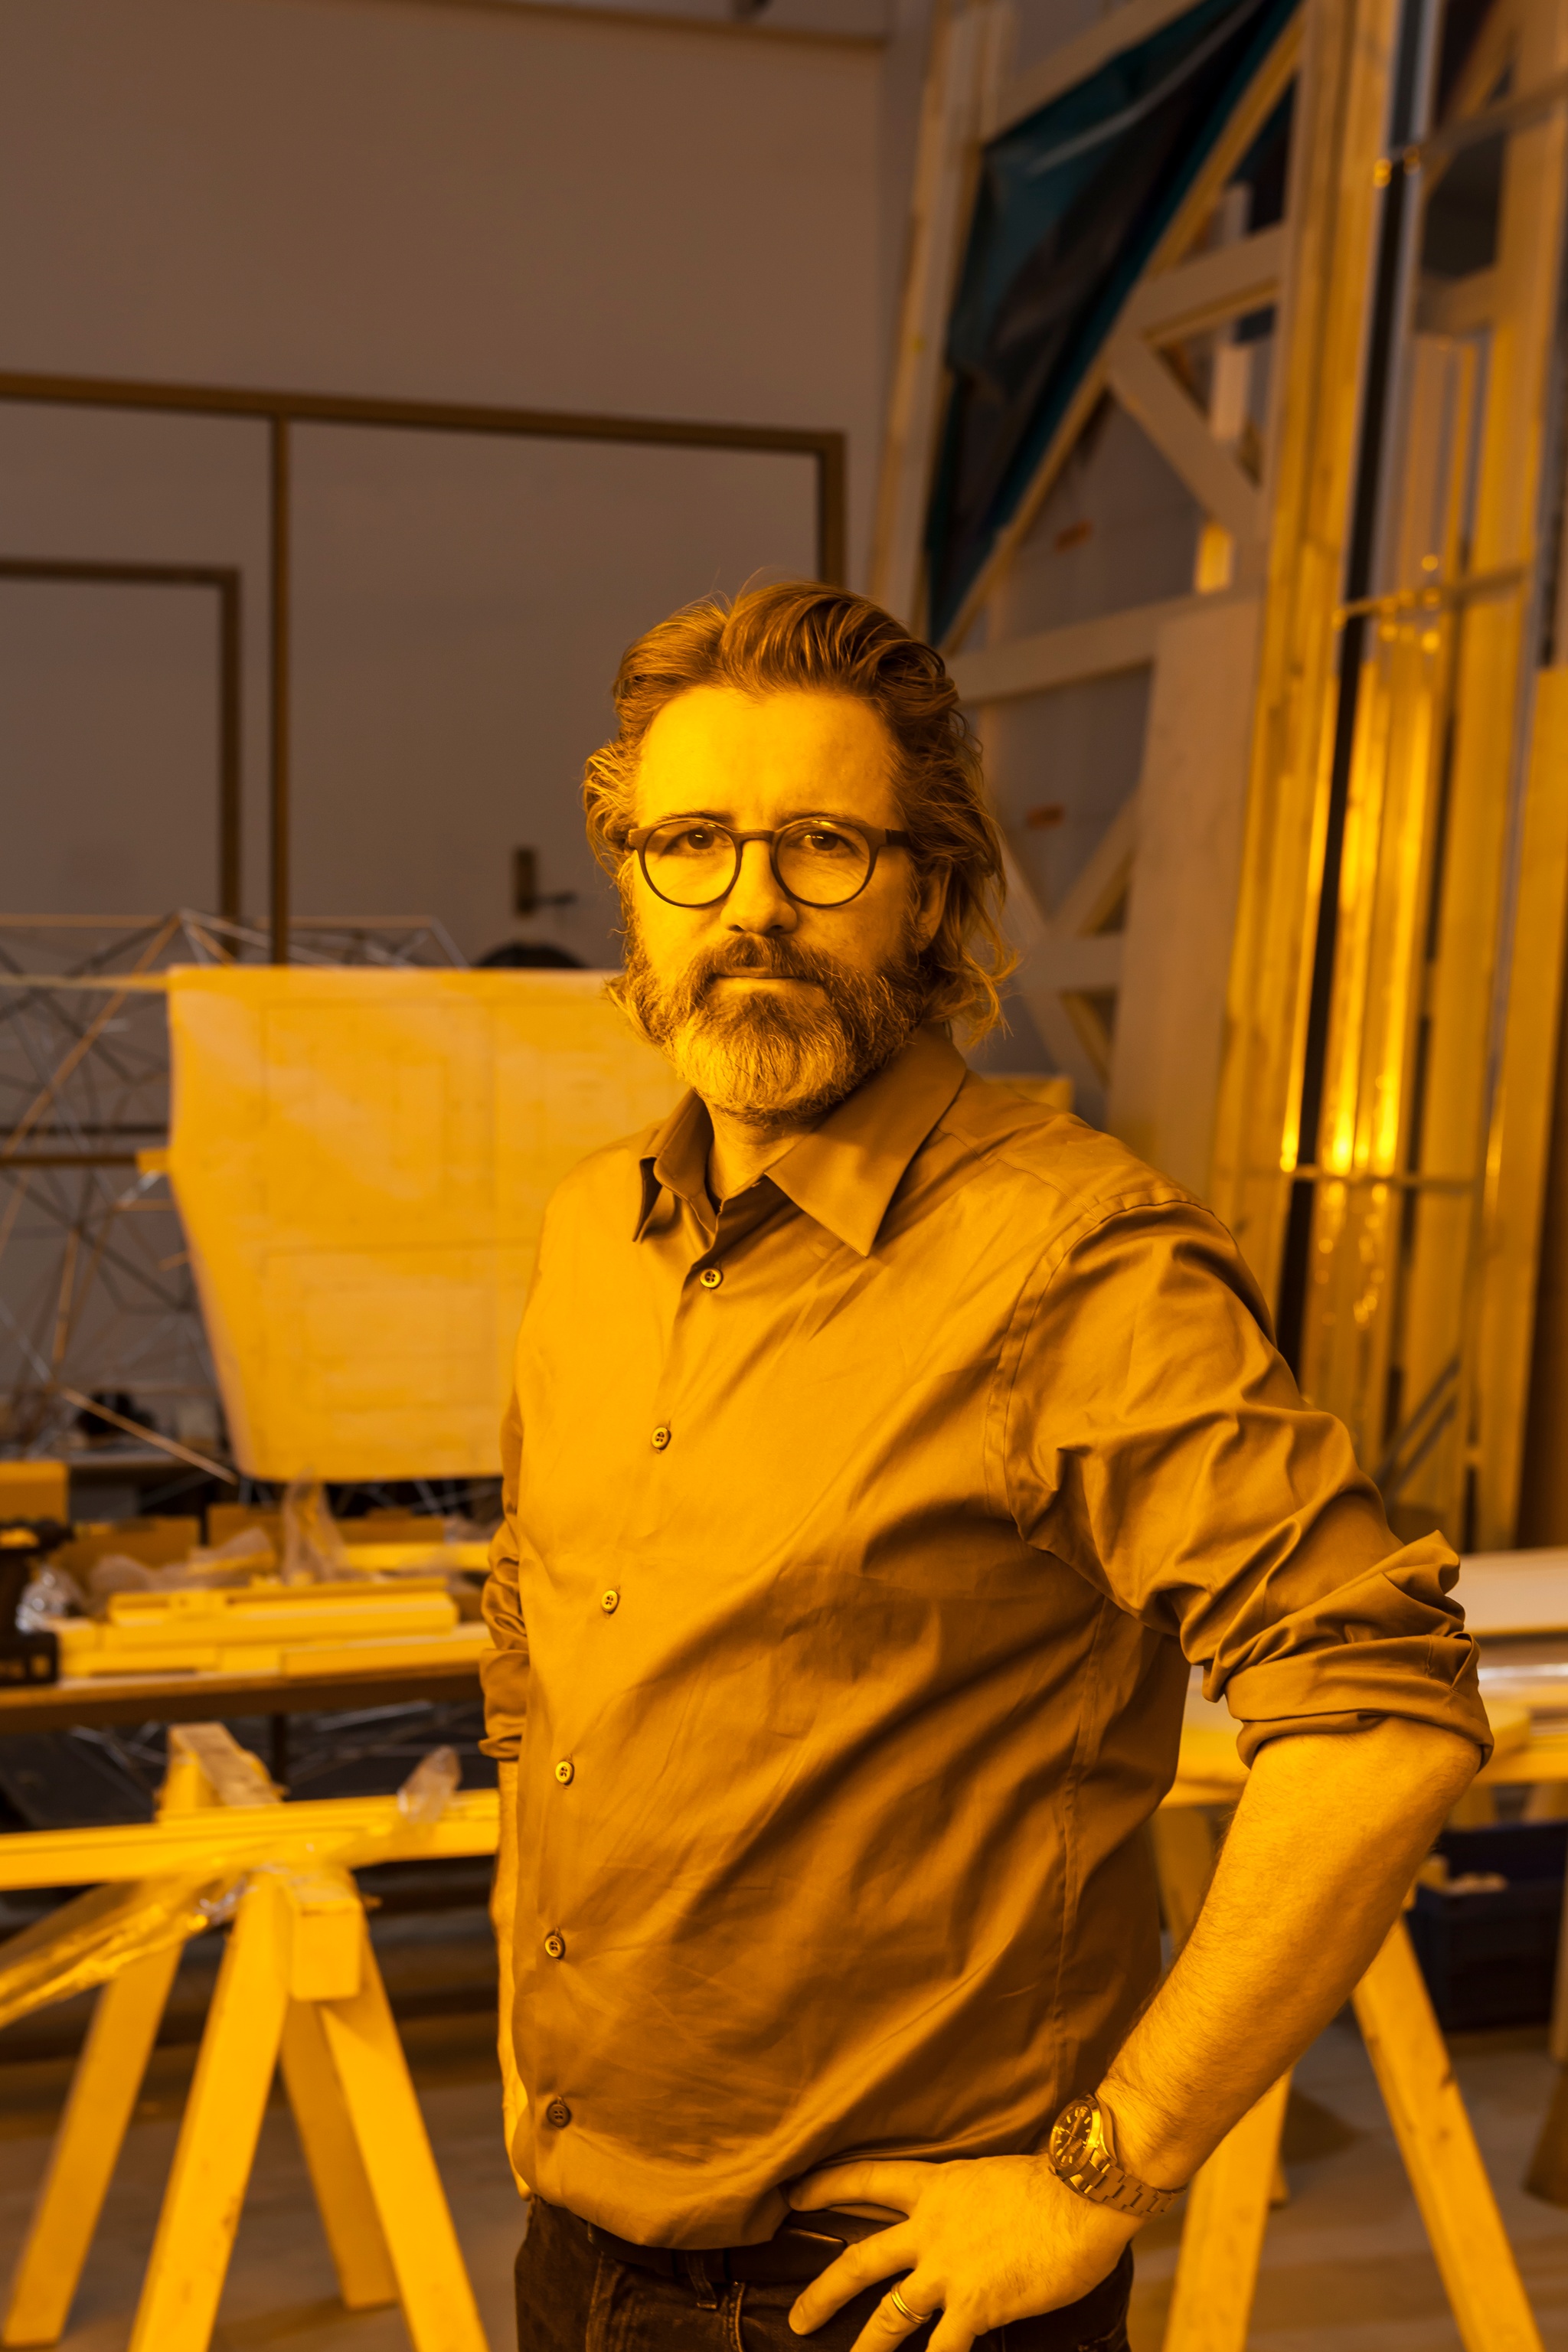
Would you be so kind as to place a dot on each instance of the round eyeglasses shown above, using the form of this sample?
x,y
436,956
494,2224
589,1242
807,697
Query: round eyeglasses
x,y
817,861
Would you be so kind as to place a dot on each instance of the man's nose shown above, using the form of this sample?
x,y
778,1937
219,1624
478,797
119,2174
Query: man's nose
x,y
756,903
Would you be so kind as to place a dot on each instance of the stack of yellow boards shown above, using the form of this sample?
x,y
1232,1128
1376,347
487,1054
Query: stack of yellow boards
x,y
382,1615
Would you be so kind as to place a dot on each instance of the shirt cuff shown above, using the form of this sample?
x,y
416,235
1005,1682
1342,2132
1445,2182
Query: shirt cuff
x,y
1345,1687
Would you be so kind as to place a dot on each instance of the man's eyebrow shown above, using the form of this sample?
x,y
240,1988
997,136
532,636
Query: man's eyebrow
x,y
714,816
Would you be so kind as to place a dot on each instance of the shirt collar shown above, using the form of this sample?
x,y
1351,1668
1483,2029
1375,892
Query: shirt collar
x,y
845,1171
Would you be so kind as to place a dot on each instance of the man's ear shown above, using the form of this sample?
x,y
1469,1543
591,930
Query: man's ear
x,y
931,901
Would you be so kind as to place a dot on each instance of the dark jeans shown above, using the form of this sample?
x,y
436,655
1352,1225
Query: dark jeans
x,y
571,2298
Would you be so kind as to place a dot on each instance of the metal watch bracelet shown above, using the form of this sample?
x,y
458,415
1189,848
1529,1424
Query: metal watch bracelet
x,y
1082,2152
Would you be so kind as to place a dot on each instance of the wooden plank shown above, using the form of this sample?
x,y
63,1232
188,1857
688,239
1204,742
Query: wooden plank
x,y
193,1697
1150,393
1087,964
1222,2234
1514,1591
1272,80
217,2146
1221,284
360,2255
411,2206
98,2111
1458,306
1521,1123
352,1831
948,131
1480,2275
1100,647
1186,879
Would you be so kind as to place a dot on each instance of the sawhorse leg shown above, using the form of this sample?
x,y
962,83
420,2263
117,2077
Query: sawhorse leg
x,y
300,1981
383,2116
222,2123
1222,2240
1222,2236
87,2147
1455,2197
354,2234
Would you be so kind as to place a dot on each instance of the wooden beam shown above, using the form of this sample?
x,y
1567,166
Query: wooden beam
x,y
1084,964
961,43
1111,643
1455,2197
1458,306
1273,78
1221,284
1150,393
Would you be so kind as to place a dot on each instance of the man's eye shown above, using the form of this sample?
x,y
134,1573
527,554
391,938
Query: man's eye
x,y
693,840
826,841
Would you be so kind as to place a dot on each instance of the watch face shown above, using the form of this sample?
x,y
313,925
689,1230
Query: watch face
x,y
1073,2134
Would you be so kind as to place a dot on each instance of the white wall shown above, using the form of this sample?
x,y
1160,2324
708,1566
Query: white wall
x,y
382,198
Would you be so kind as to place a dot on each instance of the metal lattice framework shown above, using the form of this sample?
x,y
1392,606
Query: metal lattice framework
x,y
98,1306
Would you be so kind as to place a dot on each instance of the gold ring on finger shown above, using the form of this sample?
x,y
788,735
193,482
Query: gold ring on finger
x,y
916,2318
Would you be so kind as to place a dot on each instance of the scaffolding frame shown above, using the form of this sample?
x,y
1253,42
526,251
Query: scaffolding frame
x,y
107,1309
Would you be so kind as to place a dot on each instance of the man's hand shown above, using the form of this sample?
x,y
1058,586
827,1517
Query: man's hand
x,y
994,2239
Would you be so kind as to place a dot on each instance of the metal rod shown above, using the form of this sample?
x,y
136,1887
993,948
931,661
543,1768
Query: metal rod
x,y
283,408
230,850
152,1436
278,453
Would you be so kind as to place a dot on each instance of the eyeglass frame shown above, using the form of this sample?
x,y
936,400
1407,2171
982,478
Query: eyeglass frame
x,y
876,838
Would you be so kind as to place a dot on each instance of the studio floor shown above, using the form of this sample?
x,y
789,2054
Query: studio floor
x,y
1346,2265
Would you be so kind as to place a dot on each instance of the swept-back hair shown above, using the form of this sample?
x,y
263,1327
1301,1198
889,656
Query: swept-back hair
x,y
798,634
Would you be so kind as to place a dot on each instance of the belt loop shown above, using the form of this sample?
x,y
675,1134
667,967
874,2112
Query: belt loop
x,y
696,2268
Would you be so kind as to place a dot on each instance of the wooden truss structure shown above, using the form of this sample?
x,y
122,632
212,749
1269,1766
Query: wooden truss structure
x,y
1313,967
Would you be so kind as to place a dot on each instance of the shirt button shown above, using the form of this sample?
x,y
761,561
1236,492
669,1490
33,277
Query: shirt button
x,y
559,2114
610,1601
564,1769
555,1945
661,1437
710,1277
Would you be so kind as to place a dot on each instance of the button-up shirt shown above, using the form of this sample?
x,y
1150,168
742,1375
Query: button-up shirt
x,y
857,1540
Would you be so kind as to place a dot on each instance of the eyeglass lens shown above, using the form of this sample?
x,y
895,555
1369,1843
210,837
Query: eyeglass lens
x,y
692,863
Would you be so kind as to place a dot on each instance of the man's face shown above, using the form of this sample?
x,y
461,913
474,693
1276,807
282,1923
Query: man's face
x,y
774,1010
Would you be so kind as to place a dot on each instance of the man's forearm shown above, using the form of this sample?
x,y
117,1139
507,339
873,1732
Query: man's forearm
x,y
1324,1844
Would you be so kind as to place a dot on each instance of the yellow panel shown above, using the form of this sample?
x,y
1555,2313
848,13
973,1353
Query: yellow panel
x,y
362,1160
34,1490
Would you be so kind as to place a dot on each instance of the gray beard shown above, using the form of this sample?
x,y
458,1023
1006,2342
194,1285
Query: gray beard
x,y
773,1062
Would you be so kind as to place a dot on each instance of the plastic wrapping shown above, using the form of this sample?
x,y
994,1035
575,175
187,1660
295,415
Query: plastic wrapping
x,y
313,1550
238,1562
92,1938
51,1593
430,1788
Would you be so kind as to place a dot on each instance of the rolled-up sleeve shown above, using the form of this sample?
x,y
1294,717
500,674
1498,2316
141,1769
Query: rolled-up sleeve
x,y
503,1671
1155,1440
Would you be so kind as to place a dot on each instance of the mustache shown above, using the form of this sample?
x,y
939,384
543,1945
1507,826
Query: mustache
x,y
752,955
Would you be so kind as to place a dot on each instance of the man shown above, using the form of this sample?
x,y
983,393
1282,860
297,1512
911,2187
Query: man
x,y
884,1448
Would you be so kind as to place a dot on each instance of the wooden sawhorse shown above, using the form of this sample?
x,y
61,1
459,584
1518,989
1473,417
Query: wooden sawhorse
x,y
1227,2204
298,1985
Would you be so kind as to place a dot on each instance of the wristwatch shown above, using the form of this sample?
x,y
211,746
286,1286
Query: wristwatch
x,y
1082,2152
